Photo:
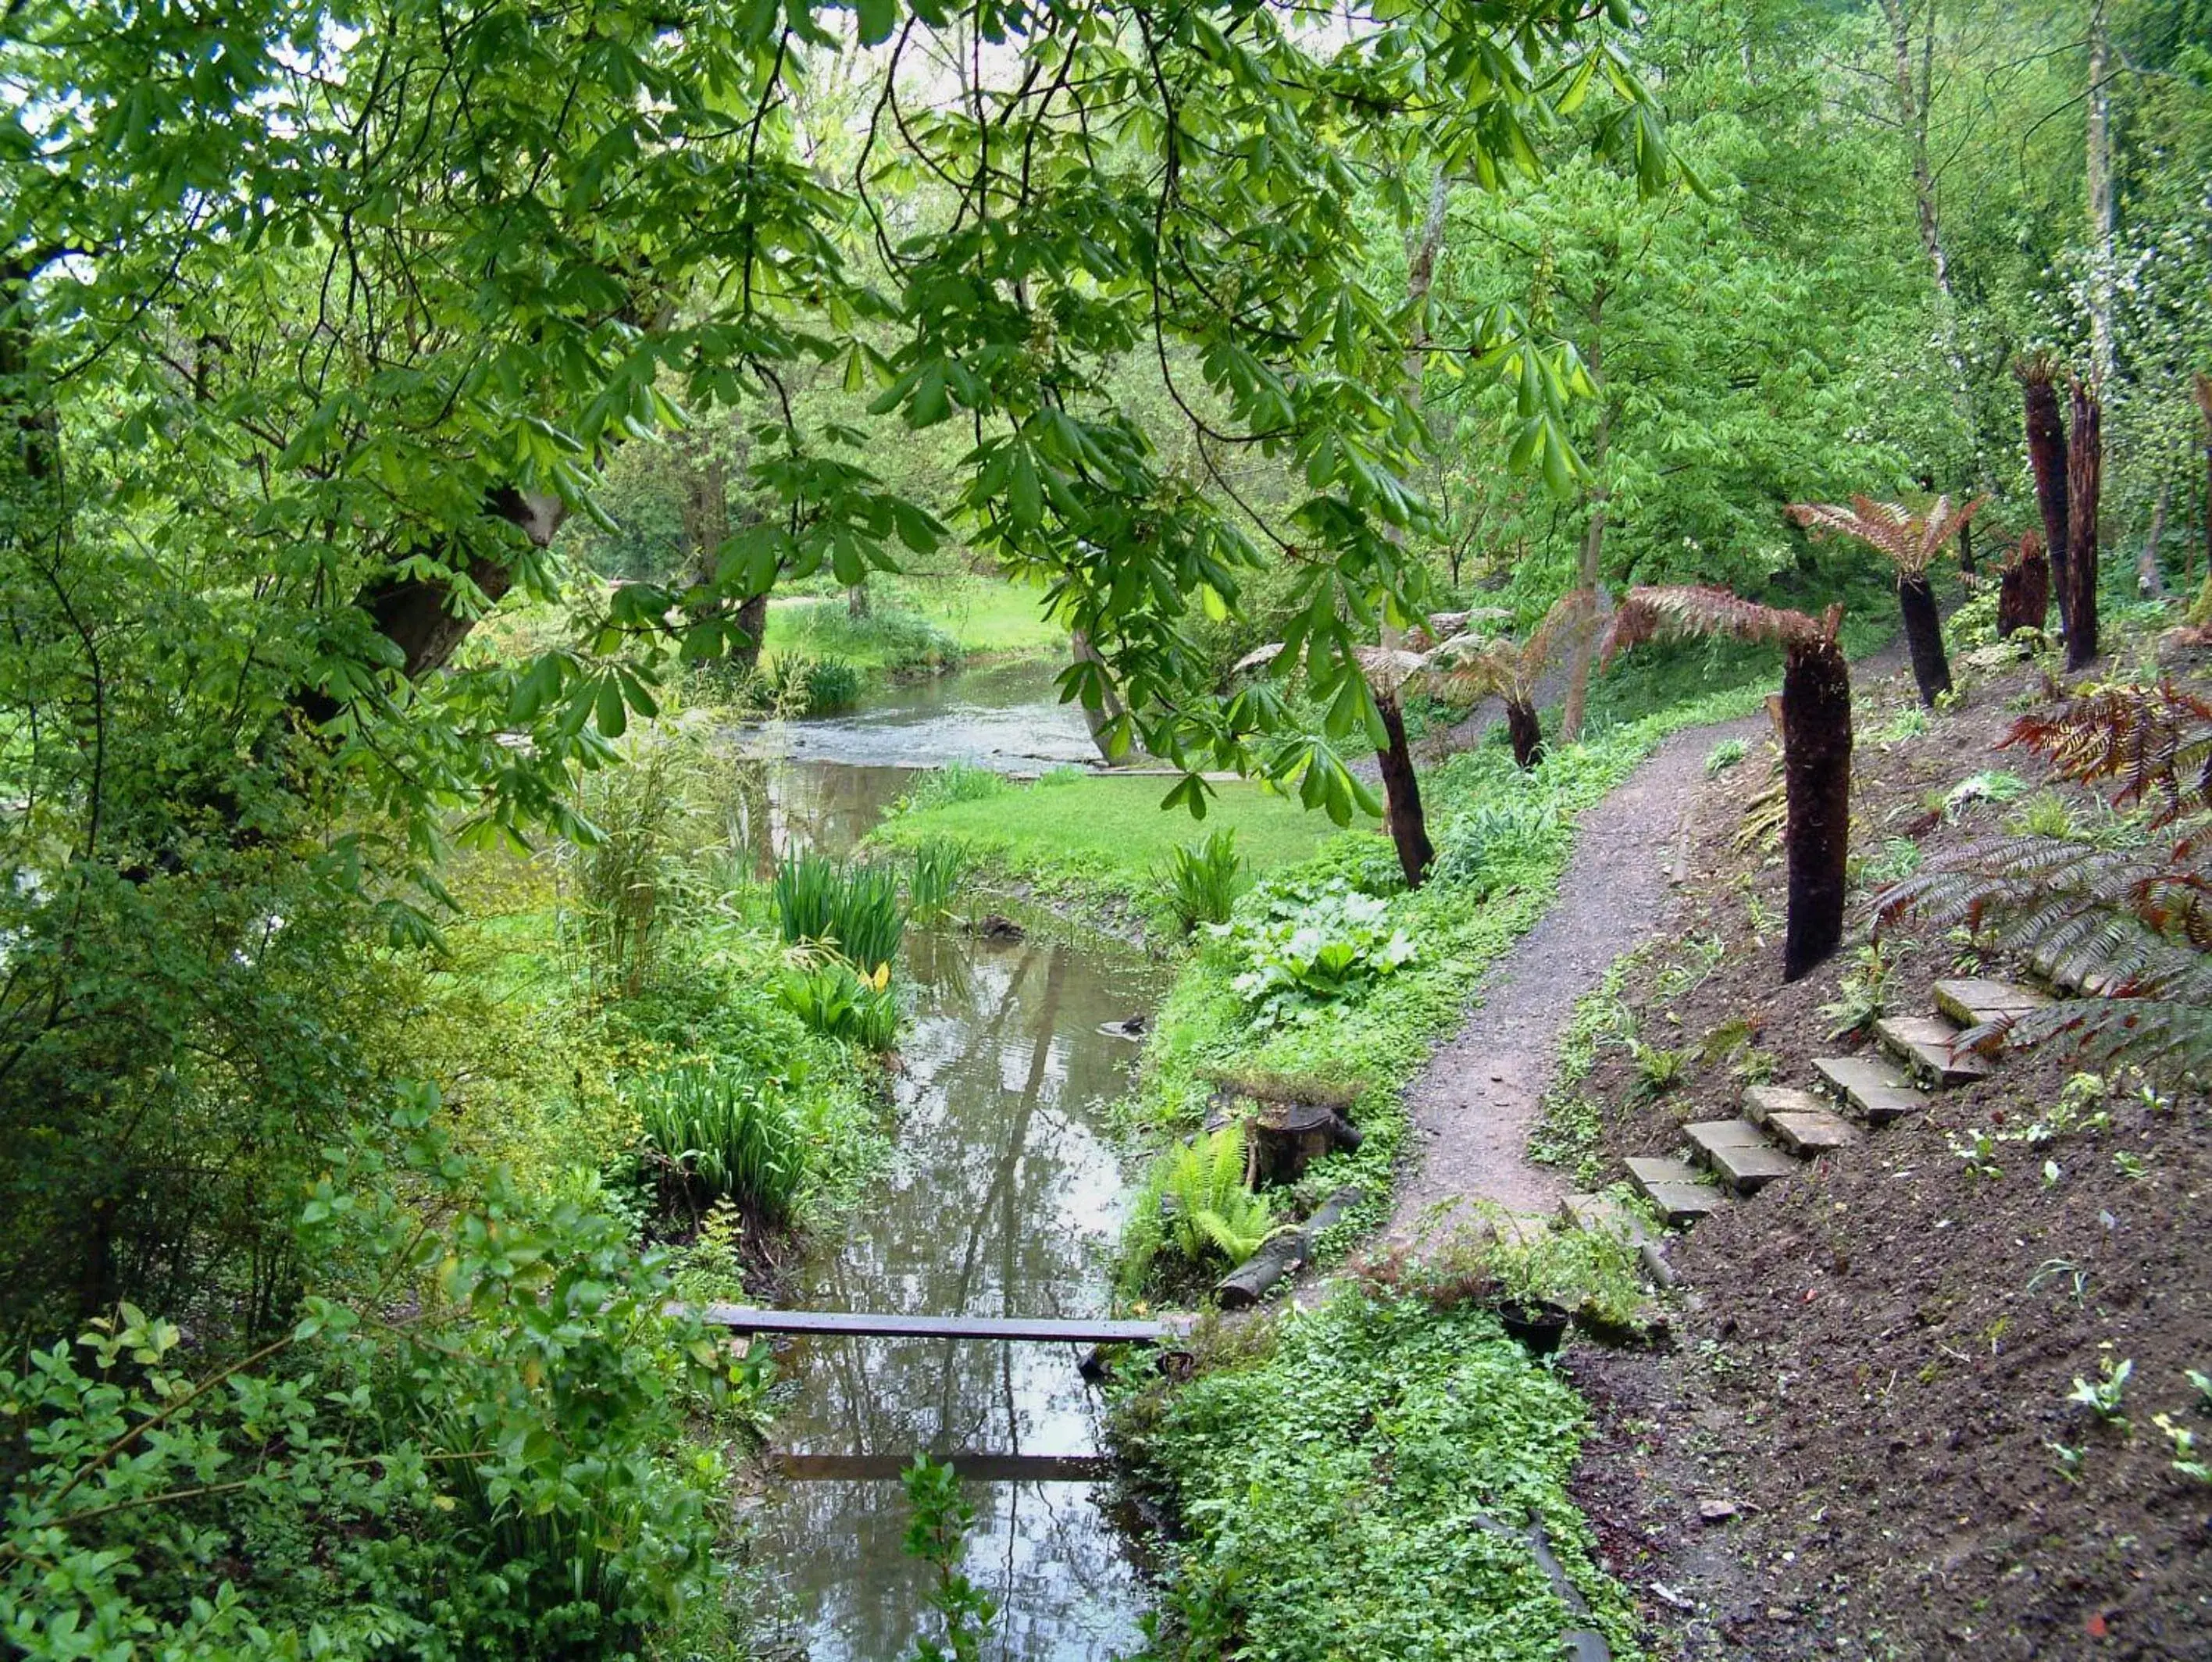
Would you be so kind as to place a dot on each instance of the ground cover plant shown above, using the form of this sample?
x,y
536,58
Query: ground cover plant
x,y
1363,1480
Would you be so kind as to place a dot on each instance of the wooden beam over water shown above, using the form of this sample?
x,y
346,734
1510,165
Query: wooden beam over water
x,y
857,1324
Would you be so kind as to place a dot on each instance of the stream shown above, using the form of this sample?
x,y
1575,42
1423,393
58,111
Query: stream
x,y
1004,1197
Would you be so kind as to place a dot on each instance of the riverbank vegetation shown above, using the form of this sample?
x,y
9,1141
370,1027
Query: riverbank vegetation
x,y
407,413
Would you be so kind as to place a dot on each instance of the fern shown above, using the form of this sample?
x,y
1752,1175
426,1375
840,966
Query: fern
x,y
1211,1208
1648,614
1911,540
1476,666
2130,927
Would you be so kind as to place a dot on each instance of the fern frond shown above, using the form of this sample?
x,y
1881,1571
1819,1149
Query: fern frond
x,y
1911,540
1239,1233
1647,613
2155,740
2030,547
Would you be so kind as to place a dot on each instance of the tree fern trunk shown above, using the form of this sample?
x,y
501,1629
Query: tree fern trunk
x,y
1923,635
1401,792
2023,592
1528,736
2085,469
1816,760
2046,455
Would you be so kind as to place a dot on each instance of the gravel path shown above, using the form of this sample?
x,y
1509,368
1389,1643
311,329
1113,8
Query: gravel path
x,y
1474,1104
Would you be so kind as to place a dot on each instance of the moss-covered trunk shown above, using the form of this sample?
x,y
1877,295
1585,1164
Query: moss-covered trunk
x,y
1923,635
1401,792
1816,761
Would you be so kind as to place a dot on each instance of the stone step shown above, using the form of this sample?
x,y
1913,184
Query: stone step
x,y
1970,1000
1877,1090
1740,1152
1674,1189
1810,1134
1762,1102
2094,985
1601,1216
1926,1045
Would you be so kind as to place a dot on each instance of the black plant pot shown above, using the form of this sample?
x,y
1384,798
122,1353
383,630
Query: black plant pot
x,y
1539,1325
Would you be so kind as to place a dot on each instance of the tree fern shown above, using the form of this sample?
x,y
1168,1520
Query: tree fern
x,y
1911,540
2131,928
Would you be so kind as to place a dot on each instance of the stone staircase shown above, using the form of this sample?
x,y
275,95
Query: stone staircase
x,y
1783,1126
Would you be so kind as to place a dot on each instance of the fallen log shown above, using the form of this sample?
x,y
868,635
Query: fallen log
x,y
1282,1254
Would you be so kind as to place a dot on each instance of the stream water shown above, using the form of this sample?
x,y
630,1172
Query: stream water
x,y
1004,1199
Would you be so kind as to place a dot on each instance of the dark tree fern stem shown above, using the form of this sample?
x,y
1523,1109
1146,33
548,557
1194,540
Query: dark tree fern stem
x,y
1402,792
1923,635
1528,736
1816,752
2023,590
2077,578
2046,455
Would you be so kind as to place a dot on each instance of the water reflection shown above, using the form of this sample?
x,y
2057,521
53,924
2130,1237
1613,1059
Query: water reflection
x,y
1007,717
1004,1199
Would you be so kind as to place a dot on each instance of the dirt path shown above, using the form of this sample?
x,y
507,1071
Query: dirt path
x,y
1472,1106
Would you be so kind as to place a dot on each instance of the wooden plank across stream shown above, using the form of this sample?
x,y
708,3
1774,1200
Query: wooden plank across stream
x,y
858,1324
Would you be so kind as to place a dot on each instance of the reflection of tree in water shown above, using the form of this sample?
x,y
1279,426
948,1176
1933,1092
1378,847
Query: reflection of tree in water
x,y
1003,1200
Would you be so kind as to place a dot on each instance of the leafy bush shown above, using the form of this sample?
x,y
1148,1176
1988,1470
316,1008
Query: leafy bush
x,y
1307,948
798,684
470,1443
838,1002
1202,884
1724,756
1490,845
1194,1201
726,1137
854,908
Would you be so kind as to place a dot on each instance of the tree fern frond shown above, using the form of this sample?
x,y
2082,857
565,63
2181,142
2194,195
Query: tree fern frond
x,y
1911,540
2157,741
1646,613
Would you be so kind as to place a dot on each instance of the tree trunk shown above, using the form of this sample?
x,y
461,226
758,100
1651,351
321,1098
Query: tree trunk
x,y
2085,467
1816,765
858,605
2148,579
2201,388
1528,736
753,626
1401,792
2023,590
1587,573
1109,708
1923,636
2102,264
1967,547
2047,456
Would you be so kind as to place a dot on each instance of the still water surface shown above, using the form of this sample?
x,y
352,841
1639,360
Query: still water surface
x,y
1004,1199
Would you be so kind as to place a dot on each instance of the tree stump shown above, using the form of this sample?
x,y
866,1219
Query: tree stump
x,y
1283,1138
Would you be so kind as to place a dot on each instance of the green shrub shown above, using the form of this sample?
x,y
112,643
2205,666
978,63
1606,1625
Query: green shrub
x,y
855,909
501,1473
724,1137
1493,844
1202,884
1307,948
837,1002
1724,756
799,684
956,781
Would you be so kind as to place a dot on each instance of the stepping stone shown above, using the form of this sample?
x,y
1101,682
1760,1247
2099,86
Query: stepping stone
x,y
1674,1189
1812,1134
1760,1102
1971,1000
1740,1152
1926,1043
1877,1090
1600,1215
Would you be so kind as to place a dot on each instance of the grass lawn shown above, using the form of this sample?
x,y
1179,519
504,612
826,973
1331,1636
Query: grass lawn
x,y
1098,834
913,619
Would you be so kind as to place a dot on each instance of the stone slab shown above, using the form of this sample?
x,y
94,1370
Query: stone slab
x,y
1970,1000
1877,1090
1674,1189
1927,1044
1740,1153
1812,1133
1601,1215
2094,985
1761,1102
